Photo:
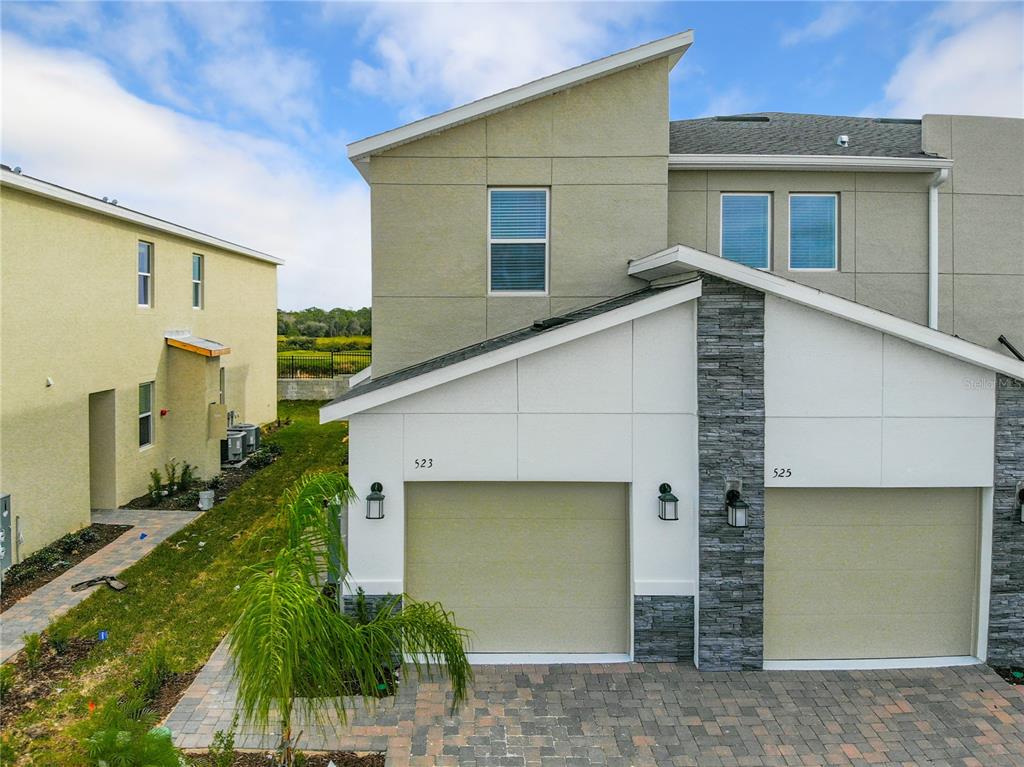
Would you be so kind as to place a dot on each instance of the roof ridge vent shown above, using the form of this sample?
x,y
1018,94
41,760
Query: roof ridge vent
x,y
549,322
896,121
742,118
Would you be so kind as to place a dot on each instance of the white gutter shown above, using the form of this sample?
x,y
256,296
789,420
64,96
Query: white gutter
x,y
807,162
938,180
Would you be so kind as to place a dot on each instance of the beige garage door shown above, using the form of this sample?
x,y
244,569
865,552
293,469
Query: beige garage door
x,y
527,567
870,573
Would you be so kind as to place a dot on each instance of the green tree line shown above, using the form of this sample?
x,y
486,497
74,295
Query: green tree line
x,y
315,322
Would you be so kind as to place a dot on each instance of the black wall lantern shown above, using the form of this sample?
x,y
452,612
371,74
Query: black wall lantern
x,y
375,502
735,506
668,504
1020,499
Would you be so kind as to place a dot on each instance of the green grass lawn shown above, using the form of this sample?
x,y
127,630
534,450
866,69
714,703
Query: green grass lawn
x,y
181,592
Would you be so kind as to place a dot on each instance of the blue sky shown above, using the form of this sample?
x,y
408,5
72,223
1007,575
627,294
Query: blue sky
x,y
233,117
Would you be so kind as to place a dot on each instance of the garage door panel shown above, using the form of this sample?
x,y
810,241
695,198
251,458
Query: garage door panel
x,y
852,573
535,540
866,548
829,593
916,635
522,584
527,567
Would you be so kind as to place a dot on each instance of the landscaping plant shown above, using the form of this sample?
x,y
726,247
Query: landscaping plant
x,y
122,734
60,639
221,753
33,651
154,670
6,680
171,472
187,477
155,484
295,652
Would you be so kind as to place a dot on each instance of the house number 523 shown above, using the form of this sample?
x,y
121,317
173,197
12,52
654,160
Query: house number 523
x,y
423,463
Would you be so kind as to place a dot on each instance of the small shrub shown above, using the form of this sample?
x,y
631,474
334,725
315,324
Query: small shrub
x,y
154,670
262,457
60,639
215,482
155,484
122,734
188,476
33,651
221,752
189,500
171,472
273,448
6,680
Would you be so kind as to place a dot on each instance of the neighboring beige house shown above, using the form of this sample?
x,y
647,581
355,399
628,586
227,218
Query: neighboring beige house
x,y
692,390
124,341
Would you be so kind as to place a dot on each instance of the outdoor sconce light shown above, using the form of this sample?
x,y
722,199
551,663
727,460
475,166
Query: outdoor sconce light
x,y
734,503
668,504
375,502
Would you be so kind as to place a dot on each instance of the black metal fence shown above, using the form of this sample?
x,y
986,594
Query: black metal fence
x,y
322,364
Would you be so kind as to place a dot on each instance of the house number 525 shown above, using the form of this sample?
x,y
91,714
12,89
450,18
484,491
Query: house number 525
x,y
782,473
423,463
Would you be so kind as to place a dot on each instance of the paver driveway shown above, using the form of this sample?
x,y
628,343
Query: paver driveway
x,y
663,714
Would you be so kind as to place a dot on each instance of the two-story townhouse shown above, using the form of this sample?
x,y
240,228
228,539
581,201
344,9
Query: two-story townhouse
x,y
124,342
727,390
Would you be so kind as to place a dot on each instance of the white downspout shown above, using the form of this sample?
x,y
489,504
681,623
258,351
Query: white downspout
x,y
938,180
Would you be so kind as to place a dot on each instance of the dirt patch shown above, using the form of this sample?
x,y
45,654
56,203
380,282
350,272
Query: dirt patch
x,y
229,479
313,759
170,693
44,565
1012,674
53,671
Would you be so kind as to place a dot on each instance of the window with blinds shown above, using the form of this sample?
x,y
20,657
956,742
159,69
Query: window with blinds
x,y
746,229
812,231
518,240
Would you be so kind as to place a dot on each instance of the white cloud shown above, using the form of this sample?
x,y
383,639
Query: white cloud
x,y
833,19
731,101
968,60
65,119
433,55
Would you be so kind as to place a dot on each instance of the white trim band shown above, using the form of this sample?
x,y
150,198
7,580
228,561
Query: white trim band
x,y
806,162
867,664
543,658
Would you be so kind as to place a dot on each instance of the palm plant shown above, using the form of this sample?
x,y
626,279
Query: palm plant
x,y
295,651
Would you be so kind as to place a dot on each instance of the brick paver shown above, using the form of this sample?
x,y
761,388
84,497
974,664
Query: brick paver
x,y
660,714
34,612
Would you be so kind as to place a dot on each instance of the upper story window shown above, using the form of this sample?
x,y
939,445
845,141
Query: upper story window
x,y
813,236
197,281
747,228
518,241
146,414
145,288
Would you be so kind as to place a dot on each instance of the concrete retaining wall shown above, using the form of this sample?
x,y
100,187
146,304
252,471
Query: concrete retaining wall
x,y
311,388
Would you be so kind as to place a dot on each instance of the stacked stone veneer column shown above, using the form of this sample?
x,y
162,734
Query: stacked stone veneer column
x,y
730,409
1006,613
663,629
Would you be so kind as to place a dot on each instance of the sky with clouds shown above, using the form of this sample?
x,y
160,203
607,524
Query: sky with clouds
x,y
232,118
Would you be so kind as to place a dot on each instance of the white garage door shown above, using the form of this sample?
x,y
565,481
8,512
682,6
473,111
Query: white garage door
x,y
870,573
532,567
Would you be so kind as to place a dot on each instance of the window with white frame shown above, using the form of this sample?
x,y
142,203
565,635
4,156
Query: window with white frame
x,y
813,233
145,273
518,240
197,281
146,414
747,228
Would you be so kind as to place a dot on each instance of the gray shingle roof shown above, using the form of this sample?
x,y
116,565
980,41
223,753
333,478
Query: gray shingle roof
x,y
500,342
790,133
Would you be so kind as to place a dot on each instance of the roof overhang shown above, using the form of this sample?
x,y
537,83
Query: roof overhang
x,y
79,200
196,345
341,409
807,162
680,259
673,45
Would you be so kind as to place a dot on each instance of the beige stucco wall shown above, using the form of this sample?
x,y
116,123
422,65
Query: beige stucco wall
x,y
602,149
68,311
883,228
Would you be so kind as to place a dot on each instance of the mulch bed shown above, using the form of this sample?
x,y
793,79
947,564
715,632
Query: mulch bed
x,y
44,565
313,759
229,479
1012,674
53,671
170,693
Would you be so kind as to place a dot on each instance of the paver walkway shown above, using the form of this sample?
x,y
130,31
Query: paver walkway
x,y
661,714
34,612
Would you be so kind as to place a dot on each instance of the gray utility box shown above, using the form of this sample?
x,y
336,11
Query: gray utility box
x,y
6,538
252,435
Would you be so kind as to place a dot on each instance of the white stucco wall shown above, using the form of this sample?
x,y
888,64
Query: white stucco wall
x,y
848,406
616,406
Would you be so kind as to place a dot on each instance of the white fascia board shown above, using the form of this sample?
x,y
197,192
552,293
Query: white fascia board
x,y
79,200
547,340
680,259
673,45
806,162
